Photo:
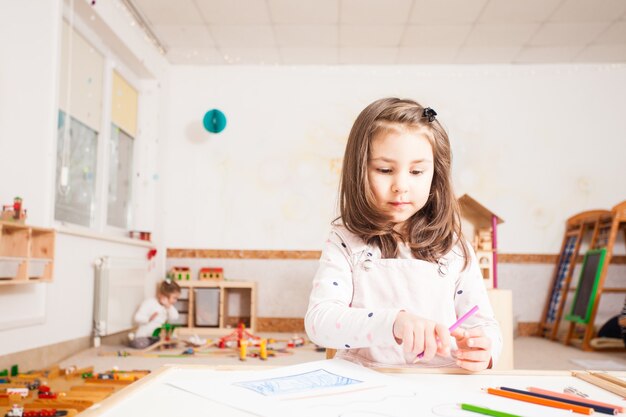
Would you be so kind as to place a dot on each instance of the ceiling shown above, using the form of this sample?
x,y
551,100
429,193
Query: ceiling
x,y
387,32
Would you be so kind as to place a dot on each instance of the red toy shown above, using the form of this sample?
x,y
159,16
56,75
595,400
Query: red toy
x,y
51,412
14,212
45,393
295,341
237,336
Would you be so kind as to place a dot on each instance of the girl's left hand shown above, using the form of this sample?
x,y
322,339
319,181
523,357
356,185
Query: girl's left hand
x,y
474,353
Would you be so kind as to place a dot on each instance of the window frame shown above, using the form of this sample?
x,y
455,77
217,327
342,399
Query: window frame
x,y
111,63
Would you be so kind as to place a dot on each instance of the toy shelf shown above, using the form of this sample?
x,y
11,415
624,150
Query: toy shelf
x,y
26,254
211,307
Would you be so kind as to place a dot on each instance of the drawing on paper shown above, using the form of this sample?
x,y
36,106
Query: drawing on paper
x,y
298,383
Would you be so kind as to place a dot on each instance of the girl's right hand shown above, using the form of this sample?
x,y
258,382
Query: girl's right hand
x,y
417,335
153,316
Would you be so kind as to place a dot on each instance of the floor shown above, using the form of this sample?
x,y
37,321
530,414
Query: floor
x,y
529,353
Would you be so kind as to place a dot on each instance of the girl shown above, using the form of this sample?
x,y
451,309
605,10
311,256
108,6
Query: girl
x,y
153,313
395,272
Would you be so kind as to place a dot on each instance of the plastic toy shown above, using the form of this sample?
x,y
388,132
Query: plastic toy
x,y
115,375
166,334
15,411
243,345
196,341
211,274
45,393
263,349
295,341
245,340
141,235
49,412
15,212
21,391
237,335
181,273
34,385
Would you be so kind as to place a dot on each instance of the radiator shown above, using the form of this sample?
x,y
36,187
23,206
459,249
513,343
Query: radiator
x,y
119,289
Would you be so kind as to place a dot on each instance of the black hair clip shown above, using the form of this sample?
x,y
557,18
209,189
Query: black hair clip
x,y
429,114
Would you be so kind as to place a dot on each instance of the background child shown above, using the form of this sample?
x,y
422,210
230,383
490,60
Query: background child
x,y
154,312
396,273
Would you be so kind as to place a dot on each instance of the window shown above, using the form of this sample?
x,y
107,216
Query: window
x,y
80,115
94,175
77,155
123,129
120,178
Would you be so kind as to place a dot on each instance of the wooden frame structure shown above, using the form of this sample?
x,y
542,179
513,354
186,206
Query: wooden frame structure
x,y
576,227
244,291
26,253
604,237
480,225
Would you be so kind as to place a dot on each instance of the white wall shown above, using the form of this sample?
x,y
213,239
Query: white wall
x,y
62,310
29,39
36,315
283,285
535,144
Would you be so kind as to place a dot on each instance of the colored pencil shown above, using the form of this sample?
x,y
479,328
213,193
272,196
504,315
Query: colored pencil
x,y
457,324
619,408
463,318
486,411
602,383
609,378
598,408
540,401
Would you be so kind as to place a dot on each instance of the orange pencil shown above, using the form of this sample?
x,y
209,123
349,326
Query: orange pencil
x,y
540,401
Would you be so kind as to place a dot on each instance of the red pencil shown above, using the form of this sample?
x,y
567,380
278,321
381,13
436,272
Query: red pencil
x,y
575,398
540,401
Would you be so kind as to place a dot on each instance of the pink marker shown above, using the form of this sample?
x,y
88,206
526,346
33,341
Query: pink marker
x,y
457,324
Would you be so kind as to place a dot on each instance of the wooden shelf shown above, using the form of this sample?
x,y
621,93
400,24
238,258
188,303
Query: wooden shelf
x,y
26,254
216,307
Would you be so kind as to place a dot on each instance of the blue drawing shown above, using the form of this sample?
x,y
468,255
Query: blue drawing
x,y
298,383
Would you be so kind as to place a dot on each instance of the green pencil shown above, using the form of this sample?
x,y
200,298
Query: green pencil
x,y
486,411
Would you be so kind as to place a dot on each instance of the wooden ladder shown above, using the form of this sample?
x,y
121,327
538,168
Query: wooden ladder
x,y
604,236
576,228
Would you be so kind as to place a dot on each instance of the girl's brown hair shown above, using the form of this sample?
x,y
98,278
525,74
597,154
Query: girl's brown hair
x,y
435,229
168,287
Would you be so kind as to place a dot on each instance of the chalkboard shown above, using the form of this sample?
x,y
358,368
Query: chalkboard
x,y
587,286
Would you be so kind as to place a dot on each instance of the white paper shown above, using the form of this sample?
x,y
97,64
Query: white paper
x,y
321,388
342,389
